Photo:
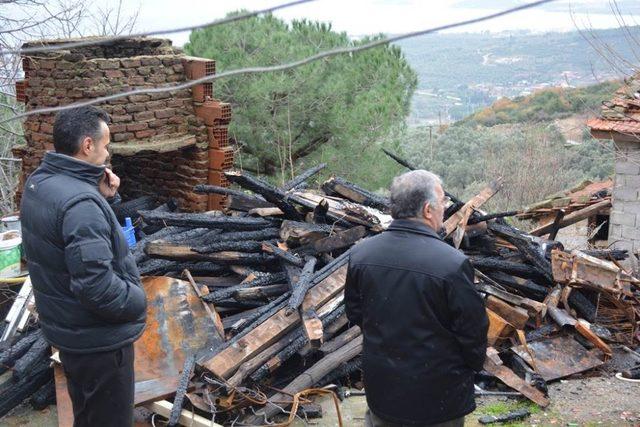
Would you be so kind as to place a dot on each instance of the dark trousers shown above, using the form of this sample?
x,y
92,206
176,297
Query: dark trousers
x,y
372,420
101,386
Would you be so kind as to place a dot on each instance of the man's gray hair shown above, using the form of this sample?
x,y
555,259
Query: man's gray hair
x,y
410,191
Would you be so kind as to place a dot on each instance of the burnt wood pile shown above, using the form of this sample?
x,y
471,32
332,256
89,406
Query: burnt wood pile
x,y
271,272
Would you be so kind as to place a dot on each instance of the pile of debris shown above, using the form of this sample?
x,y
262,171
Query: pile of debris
x,y
258,323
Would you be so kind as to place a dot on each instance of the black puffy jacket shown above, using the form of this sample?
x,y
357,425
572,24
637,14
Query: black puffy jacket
x,y
86,284
424,324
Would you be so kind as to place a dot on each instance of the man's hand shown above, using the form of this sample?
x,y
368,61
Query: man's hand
x,y
109,184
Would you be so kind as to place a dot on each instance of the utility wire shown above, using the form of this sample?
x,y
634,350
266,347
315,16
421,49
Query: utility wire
x,y
111,39
280,67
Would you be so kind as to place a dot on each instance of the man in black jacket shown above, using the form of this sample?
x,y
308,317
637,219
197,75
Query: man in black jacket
x,y
86,284
424,324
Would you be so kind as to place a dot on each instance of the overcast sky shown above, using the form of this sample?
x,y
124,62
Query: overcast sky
x,y
360,17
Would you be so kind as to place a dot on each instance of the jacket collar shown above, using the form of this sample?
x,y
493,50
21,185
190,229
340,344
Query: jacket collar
x,y
67,165
412,226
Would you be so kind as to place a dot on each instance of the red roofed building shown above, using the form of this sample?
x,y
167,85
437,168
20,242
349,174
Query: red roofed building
x,y
620,122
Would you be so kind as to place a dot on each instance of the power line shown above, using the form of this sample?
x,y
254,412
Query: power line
x,y
280,67
111,39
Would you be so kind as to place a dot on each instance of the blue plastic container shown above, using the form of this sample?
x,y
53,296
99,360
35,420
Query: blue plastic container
x,y
129,232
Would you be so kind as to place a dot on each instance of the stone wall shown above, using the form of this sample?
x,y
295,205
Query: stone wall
x,y
160,145
624,228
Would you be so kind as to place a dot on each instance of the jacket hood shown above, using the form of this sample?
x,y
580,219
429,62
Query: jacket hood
x,y
67,165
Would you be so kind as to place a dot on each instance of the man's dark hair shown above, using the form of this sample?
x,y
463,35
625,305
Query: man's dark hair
x,y
74,125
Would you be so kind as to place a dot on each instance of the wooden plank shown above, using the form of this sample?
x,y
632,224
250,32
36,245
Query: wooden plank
x,y
63,401
339,240
461,217
187,418
516,316
572,218
508,377
228,360
498,328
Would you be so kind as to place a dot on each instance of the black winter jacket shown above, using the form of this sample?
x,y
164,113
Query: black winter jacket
x,y
86,283
424,324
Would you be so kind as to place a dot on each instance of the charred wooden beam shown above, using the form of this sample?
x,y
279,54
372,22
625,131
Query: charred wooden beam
x,y
237,236
320,212
229,245
347,368
343,188
555,227
260,292
299,291
44,397
483,218
9,356
266,190
581,304
528,249
156,267
185,377
12,393
295,233
185,253
608,254
514,268
37,352
340,240
300,179
239,305
528,288
573,217
282,254
340,340
260,281
138,251
306,379
206,220
214,189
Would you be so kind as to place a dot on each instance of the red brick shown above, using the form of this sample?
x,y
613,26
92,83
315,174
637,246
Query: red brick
x,y
113,74
108,64
143,115
149,61
130,63
157,123
147,133
113,128
166,113
137,126
135,108
122,118
118,137
46,128
139,98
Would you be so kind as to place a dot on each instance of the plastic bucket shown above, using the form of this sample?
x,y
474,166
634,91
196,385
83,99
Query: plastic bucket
x,y
10,242
11,222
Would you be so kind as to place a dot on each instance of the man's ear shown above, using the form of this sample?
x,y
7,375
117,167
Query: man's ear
x,y
86,146
426,210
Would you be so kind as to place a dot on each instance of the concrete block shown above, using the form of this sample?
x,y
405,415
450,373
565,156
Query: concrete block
x,y
615,231
622,218
631,233
632,181
626,168
625,194
628,207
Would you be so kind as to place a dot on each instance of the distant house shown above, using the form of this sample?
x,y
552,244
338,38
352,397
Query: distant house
x,y
620,122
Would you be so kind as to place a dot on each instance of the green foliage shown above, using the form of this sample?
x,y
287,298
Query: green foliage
x,y
545,105
280,117
533,159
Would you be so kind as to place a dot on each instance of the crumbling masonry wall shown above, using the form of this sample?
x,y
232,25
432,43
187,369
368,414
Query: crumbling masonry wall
x,y
159,144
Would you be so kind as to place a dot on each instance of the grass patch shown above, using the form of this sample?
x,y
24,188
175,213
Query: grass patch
x,y
503,408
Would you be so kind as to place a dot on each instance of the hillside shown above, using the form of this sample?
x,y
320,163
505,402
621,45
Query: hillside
x,y
459,73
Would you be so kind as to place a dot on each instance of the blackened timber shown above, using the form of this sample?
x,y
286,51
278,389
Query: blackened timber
x,y
300,179
214,189
155,267
528,249
12,394
341,371
230,245
296,233
287,352
340,240
23,366
260,292
228,292
320,212
300,289
483,218
138,251
9,356
240,305
282,254
44,397
185,377
169,251
236,236
206,220
343,188
585,308
608,254
528,288
498,264
266,190
340,340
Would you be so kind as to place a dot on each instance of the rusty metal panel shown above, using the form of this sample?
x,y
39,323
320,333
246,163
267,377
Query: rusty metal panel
x,y
559,357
